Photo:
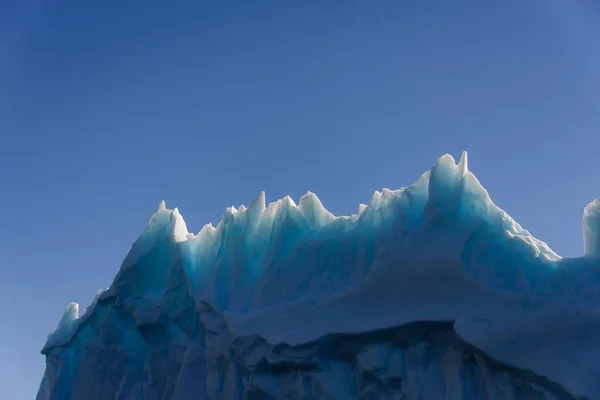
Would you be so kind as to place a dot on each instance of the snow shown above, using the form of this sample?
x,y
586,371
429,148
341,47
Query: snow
x,y
437,251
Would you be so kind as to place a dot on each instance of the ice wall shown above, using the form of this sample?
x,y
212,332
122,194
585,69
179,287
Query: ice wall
x,y
232,311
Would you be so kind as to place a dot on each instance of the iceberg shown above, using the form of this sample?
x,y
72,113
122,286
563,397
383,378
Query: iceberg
x,y
428,292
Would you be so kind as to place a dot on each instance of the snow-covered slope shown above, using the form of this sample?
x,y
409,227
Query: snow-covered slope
x,y
428,292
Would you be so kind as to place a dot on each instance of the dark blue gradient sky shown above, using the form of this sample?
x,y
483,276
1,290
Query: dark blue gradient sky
x,y
108,107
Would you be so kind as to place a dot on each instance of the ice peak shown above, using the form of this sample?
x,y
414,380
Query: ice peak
x,y
288,202
309,200
230,210
259,204
71,313
591,229
180,231
308,196
313,211
463,166
446,182
64,328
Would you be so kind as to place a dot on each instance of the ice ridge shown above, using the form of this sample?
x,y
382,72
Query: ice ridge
x,y
267,268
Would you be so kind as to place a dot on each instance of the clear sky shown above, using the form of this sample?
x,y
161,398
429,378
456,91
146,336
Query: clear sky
x,y
108,107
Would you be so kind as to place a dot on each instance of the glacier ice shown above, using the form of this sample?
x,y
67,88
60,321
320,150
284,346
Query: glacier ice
x,y
591,229
428,292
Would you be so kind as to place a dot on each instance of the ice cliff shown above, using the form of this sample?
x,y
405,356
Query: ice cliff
x,y
428,292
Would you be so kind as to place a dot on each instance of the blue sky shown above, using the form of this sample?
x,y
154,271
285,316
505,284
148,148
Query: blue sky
x,y
108,107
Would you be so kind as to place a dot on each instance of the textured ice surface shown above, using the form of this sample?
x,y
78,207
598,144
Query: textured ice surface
x,y
428,292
